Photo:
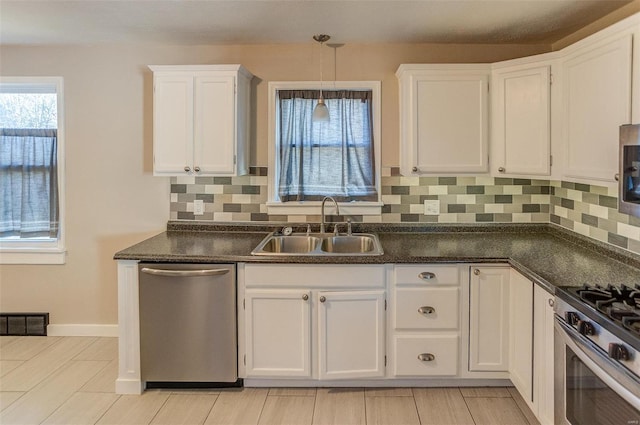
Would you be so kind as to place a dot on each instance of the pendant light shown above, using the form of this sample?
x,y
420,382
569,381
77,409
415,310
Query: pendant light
x,y
321,112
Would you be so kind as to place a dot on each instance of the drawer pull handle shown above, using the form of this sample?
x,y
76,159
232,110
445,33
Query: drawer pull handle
x,y
427,275
184,273
426,357
426,310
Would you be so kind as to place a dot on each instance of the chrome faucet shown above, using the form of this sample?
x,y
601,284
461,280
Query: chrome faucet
x,y
325,199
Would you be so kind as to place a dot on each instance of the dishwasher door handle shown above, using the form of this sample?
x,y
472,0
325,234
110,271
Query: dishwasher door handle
x,y
184,273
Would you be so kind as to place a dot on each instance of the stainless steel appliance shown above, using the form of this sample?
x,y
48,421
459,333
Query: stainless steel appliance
x,y
188,329
597,355
629,176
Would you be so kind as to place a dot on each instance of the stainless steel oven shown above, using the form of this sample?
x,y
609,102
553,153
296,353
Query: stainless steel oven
x,y
596,380
629,174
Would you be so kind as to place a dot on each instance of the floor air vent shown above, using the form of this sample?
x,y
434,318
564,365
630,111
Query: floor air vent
x,y
24,324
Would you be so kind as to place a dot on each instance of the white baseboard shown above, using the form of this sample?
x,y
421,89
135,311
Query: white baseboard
x,y
82,330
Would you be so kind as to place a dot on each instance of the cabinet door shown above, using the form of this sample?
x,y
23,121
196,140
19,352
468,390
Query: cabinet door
x,y
444,119
543,355
172,124
351,334
521,130
597,100
277,326
214,126
521,334
488,319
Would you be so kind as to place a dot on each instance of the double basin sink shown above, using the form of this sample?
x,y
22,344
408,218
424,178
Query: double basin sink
x,y
319,244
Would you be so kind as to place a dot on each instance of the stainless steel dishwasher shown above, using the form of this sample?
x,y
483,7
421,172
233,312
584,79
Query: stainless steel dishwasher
x,y
188,328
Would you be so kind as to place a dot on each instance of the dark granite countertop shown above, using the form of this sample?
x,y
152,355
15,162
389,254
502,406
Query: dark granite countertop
x,y
547,254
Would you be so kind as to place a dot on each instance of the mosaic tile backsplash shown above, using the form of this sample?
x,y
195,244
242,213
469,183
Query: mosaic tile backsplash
x,y
586,209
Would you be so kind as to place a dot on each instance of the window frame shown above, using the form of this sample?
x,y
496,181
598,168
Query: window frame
x,y
277,207
44,250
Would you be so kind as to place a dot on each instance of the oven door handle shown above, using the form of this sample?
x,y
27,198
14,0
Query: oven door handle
x,y
616,376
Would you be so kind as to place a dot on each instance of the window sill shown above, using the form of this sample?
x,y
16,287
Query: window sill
x,y
31,255
313,208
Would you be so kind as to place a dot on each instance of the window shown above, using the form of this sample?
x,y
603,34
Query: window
x,y
338,158
31,171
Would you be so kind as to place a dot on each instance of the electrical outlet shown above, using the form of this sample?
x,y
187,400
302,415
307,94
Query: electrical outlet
x,y
431,207
198,207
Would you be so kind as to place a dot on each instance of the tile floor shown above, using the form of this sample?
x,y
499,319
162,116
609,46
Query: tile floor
x,y
70,380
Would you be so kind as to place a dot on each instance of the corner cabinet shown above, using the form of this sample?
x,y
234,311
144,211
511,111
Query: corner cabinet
x,y
489,319
596,102
315,322
521,120
444,118
200,120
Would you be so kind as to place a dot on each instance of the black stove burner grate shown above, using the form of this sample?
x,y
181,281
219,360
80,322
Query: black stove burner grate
x,y
621,304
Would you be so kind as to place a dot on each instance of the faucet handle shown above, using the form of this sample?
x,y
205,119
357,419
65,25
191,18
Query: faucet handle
x,y
349,226
308,229
335,229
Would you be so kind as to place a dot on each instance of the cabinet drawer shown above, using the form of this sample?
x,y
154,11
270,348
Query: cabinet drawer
x,y
426,308
341,276
426,355
426,274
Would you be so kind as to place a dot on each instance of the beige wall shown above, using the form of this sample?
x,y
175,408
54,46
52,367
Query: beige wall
x,y
625,11
113,200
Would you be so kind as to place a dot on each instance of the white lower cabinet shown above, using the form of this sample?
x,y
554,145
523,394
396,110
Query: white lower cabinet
x,y
278,329
351,334
454,321
543,384
488,318
314,322
521,323
426,318
511,330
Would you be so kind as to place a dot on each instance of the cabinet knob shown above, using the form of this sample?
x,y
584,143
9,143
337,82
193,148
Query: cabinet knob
x,y
322,299
187,169
426,310
414,169
501,170
305,297
427,275
476,272
551,302
426,357
616,177
196,169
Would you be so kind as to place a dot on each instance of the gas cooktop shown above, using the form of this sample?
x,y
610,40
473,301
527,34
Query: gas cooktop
x,y
617,308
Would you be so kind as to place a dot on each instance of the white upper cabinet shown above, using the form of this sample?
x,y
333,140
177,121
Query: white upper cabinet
x,y
200,120
443,118
596,81
521,120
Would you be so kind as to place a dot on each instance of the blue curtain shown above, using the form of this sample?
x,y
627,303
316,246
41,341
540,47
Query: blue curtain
x,y
334,158
28,183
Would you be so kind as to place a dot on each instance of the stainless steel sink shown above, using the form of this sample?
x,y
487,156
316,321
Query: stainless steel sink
x,y
293,244
347,244
320,244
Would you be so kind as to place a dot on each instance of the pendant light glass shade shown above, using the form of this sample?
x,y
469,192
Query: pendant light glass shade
x,y
320,111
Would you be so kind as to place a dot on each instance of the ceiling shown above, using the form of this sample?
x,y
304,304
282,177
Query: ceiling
x,y
191,22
